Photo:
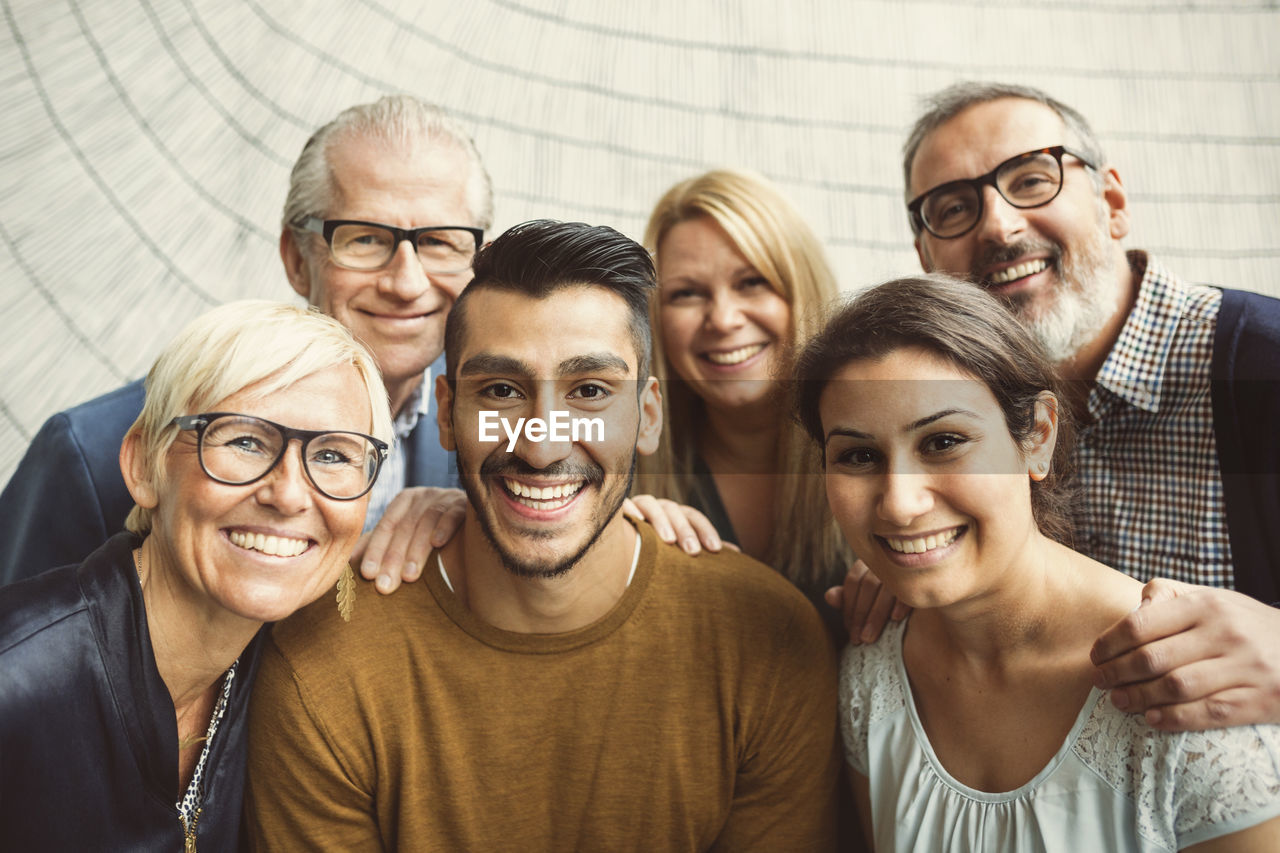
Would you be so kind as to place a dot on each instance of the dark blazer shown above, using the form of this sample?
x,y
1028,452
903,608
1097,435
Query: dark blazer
x,y
67,495
88,739
1246,423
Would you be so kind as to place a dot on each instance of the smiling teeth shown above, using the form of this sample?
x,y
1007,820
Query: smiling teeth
x,y
550,497
736,356
1015,272
924,543
276,546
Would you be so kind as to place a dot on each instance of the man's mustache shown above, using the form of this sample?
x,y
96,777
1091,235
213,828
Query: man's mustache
x,y
995,255
510,465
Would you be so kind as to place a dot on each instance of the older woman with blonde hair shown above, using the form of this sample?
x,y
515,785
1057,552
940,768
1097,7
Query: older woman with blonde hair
x,y
124,680
743,280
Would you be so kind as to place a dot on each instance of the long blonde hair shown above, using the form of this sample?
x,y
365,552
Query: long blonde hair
x,y
806,546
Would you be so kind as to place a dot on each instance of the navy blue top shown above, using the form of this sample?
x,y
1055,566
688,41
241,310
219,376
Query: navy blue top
x,y
88,737
1246,422
67,494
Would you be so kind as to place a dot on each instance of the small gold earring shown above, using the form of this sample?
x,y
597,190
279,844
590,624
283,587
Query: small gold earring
x,y
346,593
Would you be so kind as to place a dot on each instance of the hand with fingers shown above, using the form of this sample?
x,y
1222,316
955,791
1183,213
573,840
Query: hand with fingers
x,y
1193,657
866,604
676,523
417,520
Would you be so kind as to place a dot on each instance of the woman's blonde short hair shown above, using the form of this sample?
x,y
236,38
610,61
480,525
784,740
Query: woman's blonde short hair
x,y
236,345
773,237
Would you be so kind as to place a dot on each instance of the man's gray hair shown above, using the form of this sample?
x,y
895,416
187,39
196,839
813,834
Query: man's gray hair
x,y
401,120
942,106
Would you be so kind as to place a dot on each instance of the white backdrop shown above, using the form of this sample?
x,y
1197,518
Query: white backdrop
x,y
146,144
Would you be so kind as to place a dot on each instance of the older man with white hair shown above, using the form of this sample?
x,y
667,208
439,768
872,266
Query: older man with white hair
x,y
387,205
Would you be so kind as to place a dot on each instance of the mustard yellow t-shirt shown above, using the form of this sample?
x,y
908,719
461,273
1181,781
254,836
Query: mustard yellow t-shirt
x,y
698,714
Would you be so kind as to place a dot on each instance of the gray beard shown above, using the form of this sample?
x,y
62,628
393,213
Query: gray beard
x,y
1082,303
1079,310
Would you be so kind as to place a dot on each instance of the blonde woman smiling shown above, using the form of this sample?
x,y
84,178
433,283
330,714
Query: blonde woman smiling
x,y
742,281
124,681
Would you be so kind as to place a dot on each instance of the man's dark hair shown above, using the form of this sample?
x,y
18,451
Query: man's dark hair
x,y
541,257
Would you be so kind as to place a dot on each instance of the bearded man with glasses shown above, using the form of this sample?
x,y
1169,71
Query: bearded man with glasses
x,y
387,204
1175,390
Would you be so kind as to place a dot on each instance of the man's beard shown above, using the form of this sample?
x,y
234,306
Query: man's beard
x,y
495,467
1077,308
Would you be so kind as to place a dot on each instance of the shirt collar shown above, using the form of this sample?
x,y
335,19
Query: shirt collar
x,y
1135,368
415,407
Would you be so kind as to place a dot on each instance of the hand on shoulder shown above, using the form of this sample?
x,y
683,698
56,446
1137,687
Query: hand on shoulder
x,y
867,606
1193,657
417,520
676,523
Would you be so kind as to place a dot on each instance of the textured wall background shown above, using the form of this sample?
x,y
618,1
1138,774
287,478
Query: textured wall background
x,y
146,144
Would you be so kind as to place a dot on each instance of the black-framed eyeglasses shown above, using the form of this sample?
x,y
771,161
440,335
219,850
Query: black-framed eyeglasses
x,y
357,245
1032,179
240,449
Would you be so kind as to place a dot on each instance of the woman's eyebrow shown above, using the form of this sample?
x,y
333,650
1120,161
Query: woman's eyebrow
x,y
850,432
937,416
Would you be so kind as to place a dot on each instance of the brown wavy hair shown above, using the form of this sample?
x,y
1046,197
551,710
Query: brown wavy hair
x,y
969,328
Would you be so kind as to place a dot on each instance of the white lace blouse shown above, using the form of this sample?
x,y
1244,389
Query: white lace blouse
x,y
1116,784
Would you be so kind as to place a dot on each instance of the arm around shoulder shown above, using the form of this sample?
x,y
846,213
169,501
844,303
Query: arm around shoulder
x,y
1193,658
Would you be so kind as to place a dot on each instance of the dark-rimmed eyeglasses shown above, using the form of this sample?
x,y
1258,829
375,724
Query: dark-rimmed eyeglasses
x,y
1028,180
365,246
241,449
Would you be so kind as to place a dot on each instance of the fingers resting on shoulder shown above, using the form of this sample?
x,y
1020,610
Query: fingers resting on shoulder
x,y
866,604
1192,657
416,521
676,523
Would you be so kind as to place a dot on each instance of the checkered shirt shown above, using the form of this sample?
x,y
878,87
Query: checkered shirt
x,y
391,477
1151,501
